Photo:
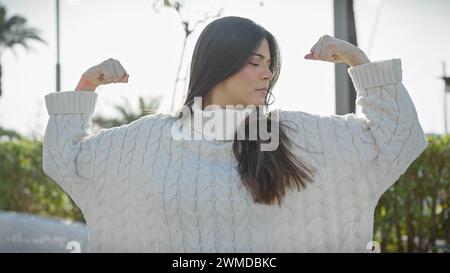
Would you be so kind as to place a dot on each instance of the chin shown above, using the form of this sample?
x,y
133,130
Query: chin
x,y
255,103
260,103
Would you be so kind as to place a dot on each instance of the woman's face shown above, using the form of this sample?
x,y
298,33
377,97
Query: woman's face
x,y
242,87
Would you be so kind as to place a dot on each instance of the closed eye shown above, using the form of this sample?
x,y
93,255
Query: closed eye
x,y
253,64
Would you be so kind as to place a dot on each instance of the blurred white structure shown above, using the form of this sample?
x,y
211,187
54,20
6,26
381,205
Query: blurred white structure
x,y
20,232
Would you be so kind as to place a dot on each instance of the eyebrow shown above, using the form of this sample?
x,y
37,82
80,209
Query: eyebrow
x,y
261,56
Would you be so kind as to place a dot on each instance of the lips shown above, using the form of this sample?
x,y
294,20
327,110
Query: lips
x,y
262,91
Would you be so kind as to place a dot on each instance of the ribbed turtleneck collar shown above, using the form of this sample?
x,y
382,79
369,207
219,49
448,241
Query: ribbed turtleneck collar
x,y
219,123
213,122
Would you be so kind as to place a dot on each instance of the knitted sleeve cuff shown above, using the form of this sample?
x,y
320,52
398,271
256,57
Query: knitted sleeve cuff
x,y
377,73
71,102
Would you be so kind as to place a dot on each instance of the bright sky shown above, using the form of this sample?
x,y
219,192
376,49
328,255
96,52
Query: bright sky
x,y
148,44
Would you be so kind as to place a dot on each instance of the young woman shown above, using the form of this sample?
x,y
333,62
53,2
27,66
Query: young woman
x,y
143,190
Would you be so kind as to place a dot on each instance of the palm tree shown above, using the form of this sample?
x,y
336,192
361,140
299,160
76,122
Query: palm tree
x,y
14,31
127,113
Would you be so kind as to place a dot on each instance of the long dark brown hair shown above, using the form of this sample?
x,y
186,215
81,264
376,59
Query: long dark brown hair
x,y
223,49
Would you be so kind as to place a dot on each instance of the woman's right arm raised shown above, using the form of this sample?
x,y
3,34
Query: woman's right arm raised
x,y
69,146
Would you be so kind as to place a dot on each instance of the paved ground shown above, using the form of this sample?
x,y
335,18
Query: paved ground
x,y
21,232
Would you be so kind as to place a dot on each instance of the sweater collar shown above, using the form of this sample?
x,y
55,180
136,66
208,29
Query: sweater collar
x,y
215,123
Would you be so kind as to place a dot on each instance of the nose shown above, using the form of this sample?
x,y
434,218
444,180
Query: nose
x,y
267,75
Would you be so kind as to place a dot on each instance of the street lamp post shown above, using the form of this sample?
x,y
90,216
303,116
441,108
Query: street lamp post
x,y
58,66
344,28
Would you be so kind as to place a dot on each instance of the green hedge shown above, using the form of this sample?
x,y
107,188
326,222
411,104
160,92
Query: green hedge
x,y
413,216
24,186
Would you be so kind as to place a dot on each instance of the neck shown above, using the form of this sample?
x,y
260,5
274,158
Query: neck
x,y
217,97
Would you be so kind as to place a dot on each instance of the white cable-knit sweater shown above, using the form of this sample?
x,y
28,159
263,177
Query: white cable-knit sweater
x,y
142,191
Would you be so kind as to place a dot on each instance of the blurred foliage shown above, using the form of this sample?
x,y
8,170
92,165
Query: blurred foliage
x,y
414,214
23,185
9,134
127,114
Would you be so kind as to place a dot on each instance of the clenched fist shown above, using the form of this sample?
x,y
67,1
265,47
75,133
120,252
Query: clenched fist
x,y
109,71
331,49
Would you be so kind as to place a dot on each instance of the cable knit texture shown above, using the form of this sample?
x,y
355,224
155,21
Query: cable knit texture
x,y
142,191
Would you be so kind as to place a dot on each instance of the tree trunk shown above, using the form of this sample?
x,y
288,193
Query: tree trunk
x,y
432,239
398,231
422,247
180,64
410,225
